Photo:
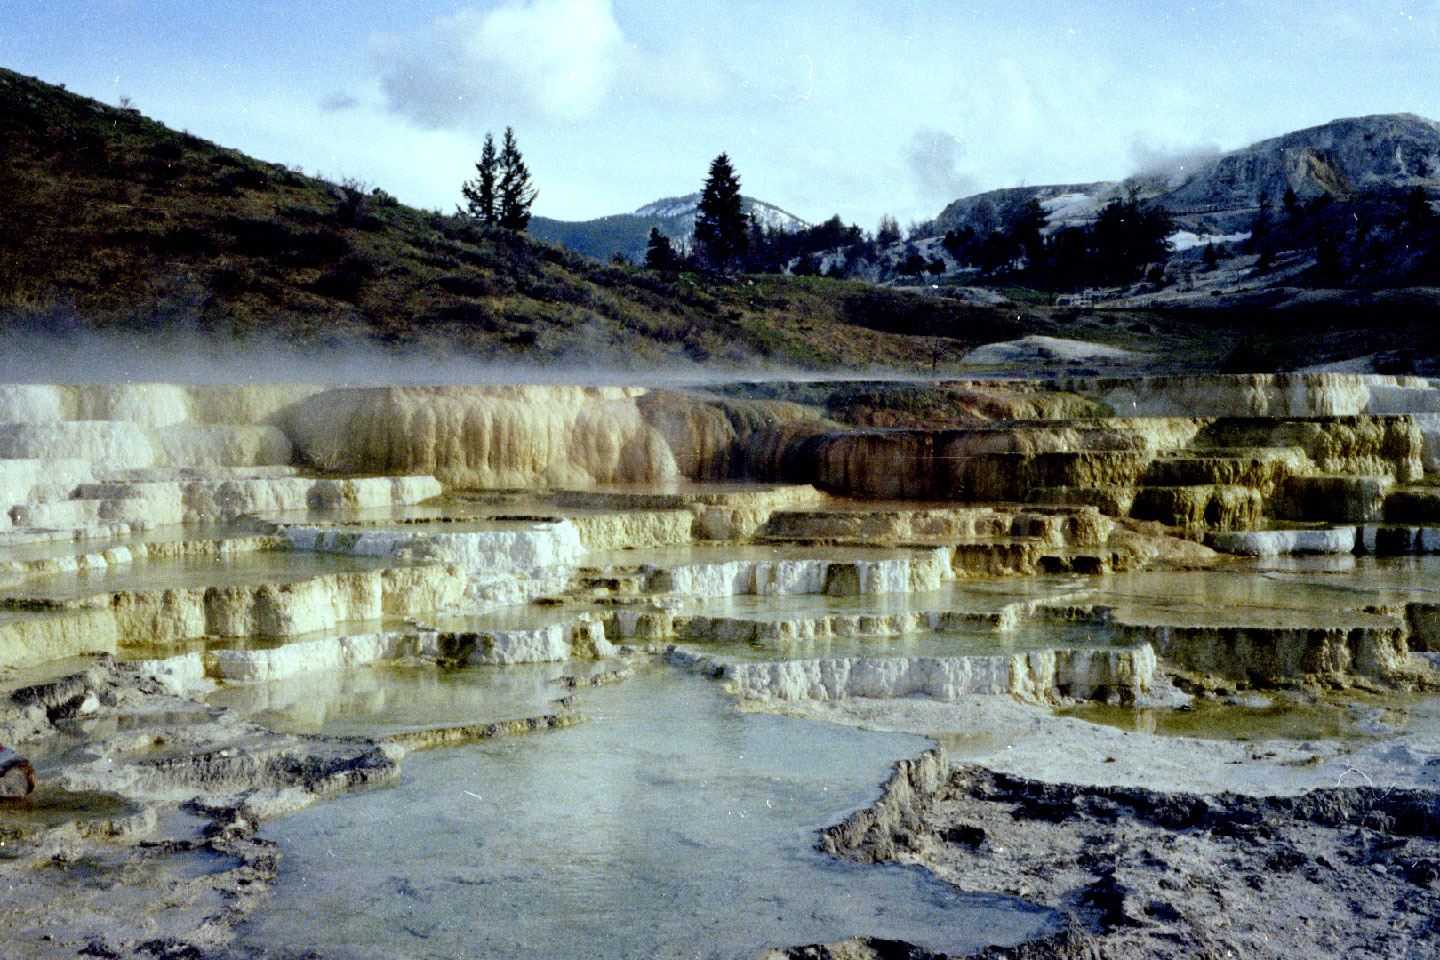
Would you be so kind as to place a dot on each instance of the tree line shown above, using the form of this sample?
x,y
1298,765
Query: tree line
x,y
728,240
1377,237
1127,235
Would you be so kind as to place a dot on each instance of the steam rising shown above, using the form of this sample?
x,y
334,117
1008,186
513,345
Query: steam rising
x,y
934,160
1172,164
56,347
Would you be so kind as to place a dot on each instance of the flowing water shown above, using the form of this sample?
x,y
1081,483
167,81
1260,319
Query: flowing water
x,y
665,825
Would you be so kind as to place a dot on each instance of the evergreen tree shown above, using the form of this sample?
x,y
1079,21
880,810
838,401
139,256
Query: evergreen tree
x,y
1291,203
1211,257
1327,257
721,229
888,232
516,194
1026,227
480,192
659,254
1266,259
1127,235
1418,212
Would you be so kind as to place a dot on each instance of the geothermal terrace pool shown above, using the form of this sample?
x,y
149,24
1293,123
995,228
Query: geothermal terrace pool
x,y
666,825
565,672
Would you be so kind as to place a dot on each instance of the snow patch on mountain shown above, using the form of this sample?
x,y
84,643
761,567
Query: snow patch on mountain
x,y
686,207
1183,240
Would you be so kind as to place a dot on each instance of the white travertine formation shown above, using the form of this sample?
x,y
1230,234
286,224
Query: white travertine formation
x,y
635,528
1429,426
583,637
1275,543
109,622
160,503
501,567
1041,676
1259,395
112,444
149,404
293,659
1202,452
484,553
483,437
223,445
922,570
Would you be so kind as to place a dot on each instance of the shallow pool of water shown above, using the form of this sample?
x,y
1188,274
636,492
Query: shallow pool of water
x,y
384,699
51,806
173,533
1369,581
666,825
1353,716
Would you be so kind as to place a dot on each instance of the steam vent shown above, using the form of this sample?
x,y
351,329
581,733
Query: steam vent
x,y
1117,668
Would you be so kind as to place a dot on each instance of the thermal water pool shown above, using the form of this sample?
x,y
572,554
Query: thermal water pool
x,y
665,825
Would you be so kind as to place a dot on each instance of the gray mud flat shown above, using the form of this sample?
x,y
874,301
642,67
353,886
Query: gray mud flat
x,y
1342,872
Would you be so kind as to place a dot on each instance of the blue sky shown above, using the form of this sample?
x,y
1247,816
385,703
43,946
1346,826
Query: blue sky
x,y
860,108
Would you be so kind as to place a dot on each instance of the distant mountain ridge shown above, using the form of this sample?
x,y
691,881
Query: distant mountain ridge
x,y
1220,194
627,233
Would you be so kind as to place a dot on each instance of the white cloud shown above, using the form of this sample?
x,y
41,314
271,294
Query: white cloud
x,y
561,60
546,58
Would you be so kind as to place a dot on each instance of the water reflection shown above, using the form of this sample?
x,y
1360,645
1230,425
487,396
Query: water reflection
x,y
666,825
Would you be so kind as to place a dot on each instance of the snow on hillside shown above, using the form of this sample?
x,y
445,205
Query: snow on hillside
x,y
1070,210
671,207
1188,240
768,214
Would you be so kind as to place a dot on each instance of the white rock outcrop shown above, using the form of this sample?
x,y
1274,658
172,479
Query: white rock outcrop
x,y
1042,676
1276,543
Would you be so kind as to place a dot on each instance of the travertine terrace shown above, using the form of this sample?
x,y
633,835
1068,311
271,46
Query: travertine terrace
x,y
865,553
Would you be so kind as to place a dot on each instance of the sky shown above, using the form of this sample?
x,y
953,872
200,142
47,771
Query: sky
x,y
856,108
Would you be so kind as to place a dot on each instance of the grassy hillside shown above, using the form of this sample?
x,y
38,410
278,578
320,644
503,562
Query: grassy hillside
x,y
111,220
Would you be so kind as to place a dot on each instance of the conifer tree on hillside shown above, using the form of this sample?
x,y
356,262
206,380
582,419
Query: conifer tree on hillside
x,y
721,230
480,192
516,193
888,232
659,254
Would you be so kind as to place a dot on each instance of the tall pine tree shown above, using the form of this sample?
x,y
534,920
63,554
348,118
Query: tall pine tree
x,y
721,229
659,254
480,192
516,194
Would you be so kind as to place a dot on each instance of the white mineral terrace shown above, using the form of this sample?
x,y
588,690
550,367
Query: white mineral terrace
x,y
645,624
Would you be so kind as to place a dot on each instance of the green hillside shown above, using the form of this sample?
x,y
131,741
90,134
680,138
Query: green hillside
x,y
109,219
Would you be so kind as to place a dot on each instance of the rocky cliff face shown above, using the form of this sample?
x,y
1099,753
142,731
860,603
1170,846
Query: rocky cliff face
x,y
1340,159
